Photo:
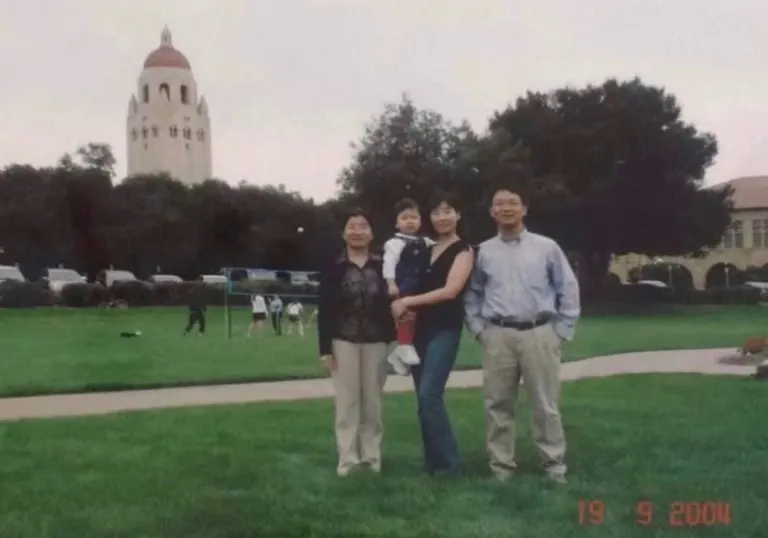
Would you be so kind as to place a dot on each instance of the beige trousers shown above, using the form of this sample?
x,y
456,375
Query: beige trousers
x,y
358,381
535,356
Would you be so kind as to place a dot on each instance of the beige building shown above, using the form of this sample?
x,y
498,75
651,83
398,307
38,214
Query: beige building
x,y
745,242
168,126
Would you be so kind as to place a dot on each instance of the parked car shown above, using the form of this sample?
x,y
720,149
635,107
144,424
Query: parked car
x,y
164,278
762,286
11,272
654,283
108,277
58,278
213,279
260,275
304,279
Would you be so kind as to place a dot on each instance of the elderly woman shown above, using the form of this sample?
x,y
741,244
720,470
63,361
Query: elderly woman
x,y
355,327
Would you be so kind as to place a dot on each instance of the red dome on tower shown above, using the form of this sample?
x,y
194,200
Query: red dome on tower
x,y
166,55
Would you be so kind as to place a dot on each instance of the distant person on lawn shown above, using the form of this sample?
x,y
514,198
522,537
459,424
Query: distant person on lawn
x,y
522,303
258,314
276,313
354,328
294,311
197,310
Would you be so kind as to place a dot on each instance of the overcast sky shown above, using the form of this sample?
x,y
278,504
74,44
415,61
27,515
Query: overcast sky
x,y
291,82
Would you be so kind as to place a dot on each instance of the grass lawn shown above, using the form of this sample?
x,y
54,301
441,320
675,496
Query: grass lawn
x,y
268,470
63,350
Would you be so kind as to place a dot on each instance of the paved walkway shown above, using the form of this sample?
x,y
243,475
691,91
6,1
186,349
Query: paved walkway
x,y
705,361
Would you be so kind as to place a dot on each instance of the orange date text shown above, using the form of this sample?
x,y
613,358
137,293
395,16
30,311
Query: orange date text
x,y
674,514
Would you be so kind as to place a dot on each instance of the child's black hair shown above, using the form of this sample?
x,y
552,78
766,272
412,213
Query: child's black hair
x,y
406,204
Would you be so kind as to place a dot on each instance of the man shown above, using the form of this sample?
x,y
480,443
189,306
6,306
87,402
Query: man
x,y
521,303
276,312
197,309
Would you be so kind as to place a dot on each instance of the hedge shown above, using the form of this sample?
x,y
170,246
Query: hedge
x,y
14,294
139,293
642,295
29,295
83,295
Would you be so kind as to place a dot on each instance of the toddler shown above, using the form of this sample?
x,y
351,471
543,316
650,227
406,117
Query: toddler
x,y
406,258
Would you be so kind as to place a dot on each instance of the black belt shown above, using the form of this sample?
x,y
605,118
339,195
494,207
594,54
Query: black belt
x,y
521,325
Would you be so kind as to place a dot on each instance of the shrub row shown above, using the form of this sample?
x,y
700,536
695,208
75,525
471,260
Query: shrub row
x,y
24,294
137,293
642,295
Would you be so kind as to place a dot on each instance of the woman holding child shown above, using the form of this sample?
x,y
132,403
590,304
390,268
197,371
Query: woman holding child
x,y
439,312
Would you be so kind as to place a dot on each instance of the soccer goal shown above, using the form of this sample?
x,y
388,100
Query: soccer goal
x,y
242,283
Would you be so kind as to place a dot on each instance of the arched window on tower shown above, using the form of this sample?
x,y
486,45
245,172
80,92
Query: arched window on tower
x,y
174,131
201,135
155,131
164,88
145,133
184,94
187,133
135,134
145,93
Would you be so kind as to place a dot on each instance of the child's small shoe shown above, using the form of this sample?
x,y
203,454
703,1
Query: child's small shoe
x,y
409,356
397,364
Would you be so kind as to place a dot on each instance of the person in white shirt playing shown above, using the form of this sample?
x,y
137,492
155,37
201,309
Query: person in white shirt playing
x,y
294,311
406,259
258,314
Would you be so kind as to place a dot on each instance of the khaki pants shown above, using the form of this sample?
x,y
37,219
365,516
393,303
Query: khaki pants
x,y
358,382
533,355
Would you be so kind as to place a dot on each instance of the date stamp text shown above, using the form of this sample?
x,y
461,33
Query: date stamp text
x,y
674,514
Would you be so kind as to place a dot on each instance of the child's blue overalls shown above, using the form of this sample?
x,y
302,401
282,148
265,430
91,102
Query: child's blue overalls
x,y
412,265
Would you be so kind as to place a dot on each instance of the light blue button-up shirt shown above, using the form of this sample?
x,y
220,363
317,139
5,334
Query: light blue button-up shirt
x,y
521,279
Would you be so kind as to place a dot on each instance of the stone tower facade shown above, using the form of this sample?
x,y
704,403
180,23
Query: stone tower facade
x,y
168,127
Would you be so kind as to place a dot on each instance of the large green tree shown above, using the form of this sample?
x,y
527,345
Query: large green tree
x,y
406,152
624,171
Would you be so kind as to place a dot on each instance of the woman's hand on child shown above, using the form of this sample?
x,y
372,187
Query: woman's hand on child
x,y
393,290
400,310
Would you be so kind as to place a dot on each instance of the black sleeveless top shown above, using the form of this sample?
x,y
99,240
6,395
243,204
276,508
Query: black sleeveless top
x,y
447,315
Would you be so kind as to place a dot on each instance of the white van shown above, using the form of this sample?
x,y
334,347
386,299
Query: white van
x,y
11,272
58,278
213,279
108,277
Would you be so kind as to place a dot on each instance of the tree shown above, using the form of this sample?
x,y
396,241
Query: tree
x,y
84,203
151,226
628,169
405,152
33,228
97,155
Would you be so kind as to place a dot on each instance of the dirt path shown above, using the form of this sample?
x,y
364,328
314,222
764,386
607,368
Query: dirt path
x,y
704,361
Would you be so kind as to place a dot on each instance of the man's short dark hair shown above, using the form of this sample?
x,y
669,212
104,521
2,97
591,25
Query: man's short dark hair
x,y
406,204
514,187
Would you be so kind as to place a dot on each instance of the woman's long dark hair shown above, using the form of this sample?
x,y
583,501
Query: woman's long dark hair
x,y
443,197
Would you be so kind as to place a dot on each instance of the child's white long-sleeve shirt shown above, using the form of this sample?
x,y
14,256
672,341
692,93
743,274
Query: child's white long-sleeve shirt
x,y
393,248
